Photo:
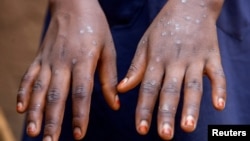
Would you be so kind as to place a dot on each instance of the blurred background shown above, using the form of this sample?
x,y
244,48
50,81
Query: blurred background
x,y
21,23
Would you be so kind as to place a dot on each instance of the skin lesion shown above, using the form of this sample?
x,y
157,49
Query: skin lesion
x,y
53,95
194,85
171,88
80,93
38,85
150,87
167,110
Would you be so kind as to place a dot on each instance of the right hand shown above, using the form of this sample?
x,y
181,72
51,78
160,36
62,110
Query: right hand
x,y
77,42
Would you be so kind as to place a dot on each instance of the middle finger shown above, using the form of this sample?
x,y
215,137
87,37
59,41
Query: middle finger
x,y
169,99
148,94
55,104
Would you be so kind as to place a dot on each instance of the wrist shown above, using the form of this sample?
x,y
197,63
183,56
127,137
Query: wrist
x,y
72,6
215,6
196,8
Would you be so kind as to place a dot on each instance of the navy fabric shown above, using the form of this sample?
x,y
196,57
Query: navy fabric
x,y
128,21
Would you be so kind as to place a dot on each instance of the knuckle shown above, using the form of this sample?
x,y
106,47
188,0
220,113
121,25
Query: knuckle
x,y
219,72
145,111
53,96
50,126
35,108
193,107
133,68
26,77
221,89
20,94
171,88
150,87
79,115
78,118
80,93
194,85
38,86
167,111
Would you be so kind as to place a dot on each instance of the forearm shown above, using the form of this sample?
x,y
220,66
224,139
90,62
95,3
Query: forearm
x,y
74,6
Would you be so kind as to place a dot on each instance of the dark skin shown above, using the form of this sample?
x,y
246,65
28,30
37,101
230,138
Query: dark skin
x,y
179,47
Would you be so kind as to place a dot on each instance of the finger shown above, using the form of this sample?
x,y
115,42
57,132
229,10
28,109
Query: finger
x,y
25,87
192,96
216,75
136,69
37,102
55,102
108,75
148,94
169,99
83,75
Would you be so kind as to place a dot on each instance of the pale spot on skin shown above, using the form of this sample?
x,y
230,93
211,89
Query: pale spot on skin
x,y
177,26
90,54
151,68
202,4
188,18
55,72
166,107
153,82
74,60
89,29
172,33
178,42
197,21
183,1
94,43
158,59
175,80
81,31
164,33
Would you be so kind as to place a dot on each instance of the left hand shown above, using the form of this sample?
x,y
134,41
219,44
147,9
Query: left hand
x,y
179,47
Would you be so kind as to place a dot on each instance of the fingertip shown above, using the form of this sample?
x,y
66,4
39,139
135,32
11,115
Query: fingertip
x,y
143,127
77,133
121,87
19,107
188,124
166,132
220,104
117,103
32,129
47,138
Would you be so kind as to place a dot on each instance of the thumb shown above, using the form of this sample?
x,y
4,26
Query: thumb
x,y
136,70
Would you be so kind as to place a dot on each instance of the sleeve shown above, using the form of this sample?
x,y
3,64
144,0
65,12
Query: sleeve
x,y
235,18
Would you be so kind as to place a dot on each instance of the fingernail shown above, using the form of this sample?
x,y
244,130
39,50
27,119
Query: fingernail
x,y
221,102
143,127
19,106
189,121
47,138
31,127
125,80
166,130
77,132
117,100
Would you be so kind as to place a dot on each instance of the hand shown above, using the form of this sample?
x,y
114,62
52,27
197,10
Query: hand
x,y
78,41
179,47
